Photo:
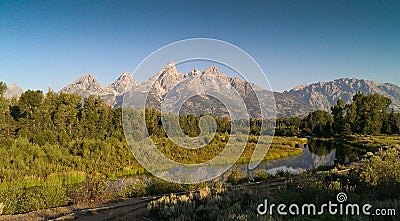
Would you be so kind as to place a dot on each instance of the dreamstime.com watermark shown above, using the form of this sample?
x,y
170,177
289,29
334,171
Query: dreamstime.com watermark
x,y
333,208
169,92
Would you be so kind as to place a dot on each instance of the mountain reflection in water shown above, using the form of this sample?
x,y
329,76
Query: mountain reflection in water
x,y
315,154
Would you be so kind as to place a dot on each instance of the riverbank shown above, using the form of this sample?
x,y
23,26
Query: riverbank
x,y
372,143
373,180
97,186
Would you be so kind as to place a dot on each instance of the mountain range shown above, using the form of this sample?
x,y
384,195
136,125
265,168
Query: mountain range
x,y
172,86
323,95
167,85
295,102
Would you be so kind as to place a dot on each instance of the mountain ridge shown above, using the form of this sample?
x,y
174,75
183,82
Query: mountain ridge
x,y
298,101
323,95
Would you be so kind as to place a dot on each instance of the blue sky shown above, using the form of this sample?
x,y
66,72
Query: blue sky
x,y
51,43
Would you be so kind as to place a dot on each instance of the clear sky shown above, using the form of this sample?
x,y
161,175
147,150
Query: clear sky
x,y
51,43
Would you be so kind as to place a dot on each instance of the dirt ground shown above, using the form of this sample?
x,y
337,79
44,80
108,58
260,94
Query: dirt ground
x,y
134,212
44,214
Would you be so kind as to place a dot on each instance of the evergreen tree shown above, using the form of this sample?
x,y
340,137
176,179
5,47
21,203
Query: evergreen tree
x,y
318,123
65,116
338,116
346,129
391,123
6,121
29,115
351,117
371,110
3,88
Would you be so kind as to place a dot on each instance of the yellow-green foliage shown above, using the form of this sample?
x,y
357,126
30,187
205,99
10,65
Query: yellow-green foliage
x,y
236,176
374,141
135,189
260,175
383,170
21,200
279,148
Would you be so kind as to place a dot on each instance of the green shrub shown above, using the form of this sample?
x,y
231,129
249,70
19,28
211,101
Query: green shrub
x,y
93,190
135,189
236,176
381,173
260,175
158,186
22,200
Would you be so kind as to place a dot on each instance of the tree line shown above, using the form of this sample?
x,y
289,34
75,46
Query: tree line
x,y
59,118
366,114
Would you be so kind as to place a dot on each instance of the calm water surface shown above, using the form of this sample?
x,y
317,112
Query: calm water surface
x,y
315,154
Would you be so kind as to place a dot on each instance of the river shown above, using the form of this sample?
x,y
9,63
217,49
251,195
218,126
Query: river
x,y
315,154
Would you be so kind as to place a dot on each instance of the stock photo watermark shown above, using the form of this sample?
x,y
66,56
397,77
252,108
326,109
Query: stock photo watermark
x,y
209,84
340,207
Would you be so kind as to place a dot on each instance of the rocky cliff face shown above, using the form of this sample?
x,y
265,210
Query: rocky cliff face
x,y
88,85
122,83
323,95
171,87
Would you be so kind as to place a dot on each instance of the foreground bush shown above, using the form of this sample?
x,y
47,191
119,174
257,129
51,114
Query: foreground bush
x,y
22,200
93,190
215,203
381,174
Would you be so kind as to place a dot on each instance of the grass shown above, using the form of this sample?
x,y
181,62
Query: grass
x,y
280,147
373,143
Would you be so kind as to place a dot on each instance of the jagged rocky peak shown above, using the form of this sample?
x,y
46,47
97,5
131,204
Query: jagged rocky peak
x,y
84,83
124,82
212,71
323,95
124,76
13,90
87,81
299,87
193,72
170,64
87,85
236,80
170,69
87,77
169,76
